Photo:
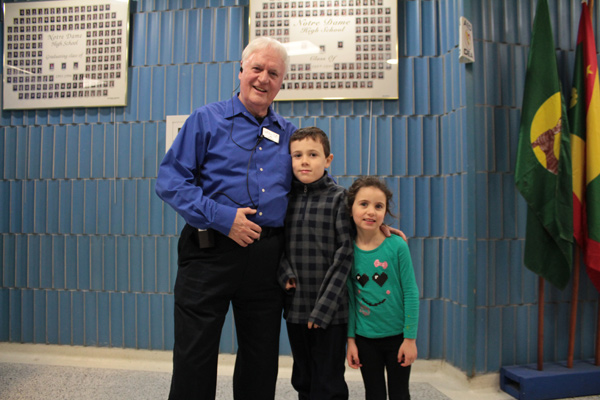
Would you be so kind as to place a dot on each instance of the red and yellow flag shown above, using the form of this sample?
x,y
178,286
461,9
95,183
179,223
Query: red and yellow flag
x,y
584,117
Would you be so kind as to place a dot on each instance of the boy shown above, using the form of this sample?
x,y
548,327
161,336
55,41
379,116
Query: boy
x,y
314,268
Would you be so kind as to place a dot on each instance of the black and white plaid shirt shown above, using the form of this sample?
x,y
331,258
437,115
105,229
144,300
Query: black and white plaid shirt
x,y
318,253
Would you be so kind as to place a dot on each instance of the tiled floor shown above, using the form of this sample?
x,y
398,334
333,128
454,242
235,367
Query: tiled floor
x,y
41,372
29,381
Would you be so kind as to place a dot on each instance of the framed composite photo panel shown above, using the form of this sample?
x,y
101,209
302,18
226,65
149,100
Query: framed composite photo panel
x,y
339,49
65,54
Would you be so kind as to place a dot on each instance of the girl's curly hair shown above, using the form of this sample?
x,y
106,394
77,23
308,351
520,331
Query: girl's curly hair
x,y
368,181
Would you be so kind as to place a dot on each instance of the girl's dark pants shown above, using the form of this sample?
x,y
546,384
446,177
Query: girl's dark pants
x,y
377,355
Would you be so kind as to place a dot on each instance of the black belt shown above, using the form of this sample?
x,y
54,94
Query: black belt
x,y
268,231
206,238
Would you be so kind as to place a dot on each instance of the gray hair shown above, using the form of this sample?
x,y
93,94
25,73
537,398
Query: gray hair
x,y
264,42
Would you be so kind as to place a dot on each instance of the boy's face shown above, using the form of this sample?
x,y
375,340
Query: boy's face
x,y
308,160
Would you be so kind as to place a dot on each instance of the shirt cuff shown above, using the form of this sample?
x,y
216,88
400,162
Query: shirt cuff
x,y
224,218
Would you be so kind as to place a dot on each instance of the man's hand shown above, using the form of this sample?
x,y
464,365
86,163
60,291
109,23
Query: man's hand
x,y
388,230
243,231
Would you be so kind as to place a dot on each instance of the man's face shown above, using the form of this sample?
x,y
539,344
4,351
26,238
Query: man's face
x,y
261,80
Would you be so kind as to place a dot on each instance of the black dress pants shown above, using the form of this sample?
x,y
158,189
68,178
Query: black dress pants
x,y
208,280
319,361
377,355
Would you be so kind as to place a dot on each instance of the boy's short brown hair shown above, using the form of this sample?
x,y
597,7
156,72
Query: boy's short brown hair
x,y
313,133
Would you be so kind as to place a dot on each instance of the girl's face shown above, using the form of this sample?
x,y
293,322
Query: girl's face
x,y
368,209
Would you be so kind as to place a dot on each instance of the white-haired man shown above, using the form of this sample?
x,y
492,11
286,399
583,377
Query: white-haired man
x,y
227,174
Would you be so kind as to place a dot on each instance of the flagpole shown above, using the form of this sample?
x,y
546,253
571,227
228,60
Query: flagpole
x,y
598,336
574,303
540,356
591,5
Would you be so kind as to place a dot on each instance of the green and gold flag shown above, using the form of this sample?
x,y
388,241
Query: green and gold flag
x,y
584,114
543,170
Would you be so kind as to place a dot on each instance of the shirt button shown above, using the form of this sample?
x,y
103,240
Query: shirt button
x,y
261,169
263,190
260,213
260,148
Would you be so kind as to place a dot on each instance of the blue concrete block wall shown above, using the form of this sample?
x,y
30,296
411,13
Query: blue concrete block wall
x,y
88,252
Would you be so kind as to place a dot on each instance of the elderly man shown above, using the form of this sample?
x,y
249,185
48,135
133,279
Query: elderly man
x,y
227,174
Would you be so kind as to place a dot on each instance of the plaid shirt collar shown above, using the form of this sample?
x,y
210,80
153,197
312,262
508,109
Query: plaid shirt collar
x,y
322,183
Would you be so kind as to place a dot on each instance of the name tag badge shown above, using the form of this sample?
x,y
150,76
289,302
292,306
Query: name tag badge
x,y
272,136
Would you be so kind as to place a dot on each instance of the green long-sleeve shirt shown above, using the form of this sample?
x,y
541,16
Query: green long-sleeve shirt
x,y
383,292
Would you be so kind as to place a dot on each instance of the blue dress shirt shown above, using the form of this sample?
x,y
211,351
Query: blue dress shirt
x,y
217,164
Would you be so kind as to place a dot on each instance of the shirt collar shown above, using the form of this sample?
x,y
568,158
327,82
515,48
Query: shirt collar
x,y
237,107
321,183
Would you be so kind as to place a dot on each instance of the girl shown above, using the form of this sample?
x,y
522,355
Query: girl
x,y
383,294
